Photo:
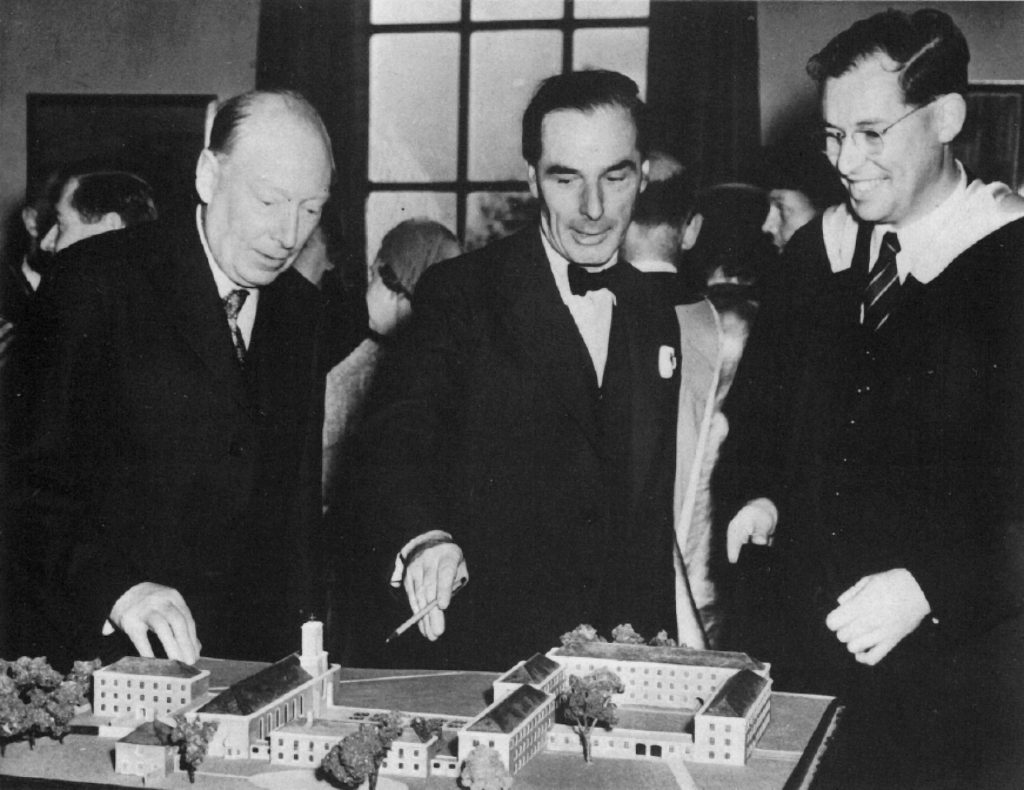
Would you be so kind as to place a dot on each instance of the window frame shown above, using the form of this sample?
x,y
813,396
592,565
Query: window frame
x,y
462,186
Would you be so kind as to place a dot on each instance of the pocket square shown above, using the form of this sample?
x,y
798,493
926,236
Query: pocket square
x,y
666,361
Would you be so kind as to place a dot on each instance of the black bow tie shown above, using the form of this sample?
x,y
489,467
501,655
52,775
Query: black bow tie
x,y
581,280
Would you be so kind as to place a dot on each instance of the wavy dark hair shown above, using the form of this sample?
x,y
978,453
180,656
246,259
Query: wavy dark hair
x,y
930,52
583,91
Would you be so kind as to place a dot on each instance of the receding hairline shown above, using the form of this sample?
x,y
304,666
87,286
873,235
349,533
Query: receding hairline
x,y
591,112
277,110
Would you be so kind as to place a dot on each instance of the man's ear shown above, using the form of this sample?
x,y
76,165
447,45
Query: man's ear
x,y
531,179
951,112
30,219
691,232
207,173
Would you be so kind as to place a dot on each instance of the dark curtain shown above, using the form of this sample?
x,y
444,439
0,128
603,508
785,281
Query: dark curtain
x,y
703,85
320,48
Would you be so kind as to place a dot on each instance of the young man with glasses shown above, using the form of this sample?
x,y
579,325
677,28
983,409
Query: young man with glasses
x,y
895,501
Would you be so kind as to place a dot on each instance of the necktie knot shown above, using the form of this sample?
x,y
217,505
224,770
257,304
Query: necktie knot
x,y
233,303
581,280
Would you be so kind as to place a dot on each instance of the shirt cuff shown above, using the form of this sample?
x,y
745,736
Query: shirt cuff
x,y
413,548
765,505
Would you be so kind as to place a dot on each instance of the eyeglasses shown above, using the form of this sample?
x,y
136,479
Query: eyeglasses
x,y
391,282
870,142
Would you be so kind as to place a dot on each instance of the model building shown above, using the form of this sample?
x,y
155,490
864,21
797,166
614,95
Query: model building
x,y
676,704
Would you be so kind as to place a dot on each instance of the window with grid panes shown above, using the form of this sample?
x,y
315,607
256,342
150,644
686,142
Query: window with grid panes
x,y
449,80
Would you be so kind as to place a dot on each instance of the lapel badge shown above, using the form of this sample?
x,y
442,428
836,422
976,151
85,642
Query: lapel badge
x,y
667,361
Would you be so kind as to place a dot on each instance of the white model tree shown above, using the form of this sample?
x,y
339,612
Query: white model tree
x,y
484,770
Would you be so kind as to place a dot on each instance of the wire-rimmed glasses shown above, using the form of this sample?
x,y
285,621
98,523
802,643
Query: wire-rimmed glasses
x,y
871,142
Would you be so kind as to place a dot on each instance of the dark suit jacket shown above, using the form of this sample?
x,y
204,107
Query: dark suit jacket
x,y
901,449
154,457
491,432
15,292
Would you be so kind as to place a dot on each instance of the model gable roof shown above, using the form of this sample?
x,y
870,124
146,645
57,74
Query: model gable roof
x,y
536,669
158,667
511,711
152,733
736,695
259,690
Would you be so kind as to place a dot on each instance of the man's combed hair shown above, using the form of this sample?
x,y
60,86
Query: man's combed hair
x,y
231,114
583,91
123,193
930,51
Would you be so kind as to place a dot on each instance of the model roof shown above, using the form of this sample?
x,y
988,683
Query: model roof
x,y
534,670
736,695
657,654
162,667
259,690
510,712
152,733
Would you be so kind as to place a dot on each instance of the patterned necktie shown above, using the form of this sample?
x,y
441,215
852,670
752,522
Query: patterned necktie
x,y
232,307
883,290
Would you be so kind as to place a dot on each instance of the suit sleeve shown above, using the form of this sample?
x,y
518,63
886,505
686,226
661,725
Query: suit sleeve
x,y
403,492
71,430
969,559
751,461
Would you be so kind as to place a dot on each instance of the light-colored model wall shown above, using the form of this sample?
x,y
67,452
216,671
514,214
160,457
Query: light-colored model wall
x,y
115,46
790,32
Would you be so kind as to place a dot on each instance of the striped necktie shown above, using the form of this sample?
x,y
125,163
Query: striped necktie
x,y
883,289
232,307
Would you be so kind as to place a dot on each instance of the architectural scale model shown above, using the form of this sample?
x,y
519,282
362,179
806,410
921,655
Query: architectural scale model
x,y
678,704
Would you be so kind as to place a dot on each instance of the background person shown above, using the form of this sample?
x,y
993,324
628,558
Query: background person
x,y
406,251
98,202
800,184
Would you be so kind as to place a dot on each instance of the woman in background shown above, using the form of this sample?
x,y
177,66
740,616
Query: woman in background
x,y
406,251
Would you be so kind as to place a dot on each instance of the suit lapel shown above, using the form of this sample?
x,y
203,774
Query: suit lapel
x,y
651,393
195,310
290,312
548,339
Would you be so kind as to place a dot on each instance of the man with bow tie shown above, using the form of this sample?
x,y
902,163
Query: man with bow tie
x,y
896,452
526,442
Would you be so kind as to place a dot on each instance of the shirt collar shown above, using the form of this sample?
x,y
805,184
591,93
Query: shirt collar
x,y
32,277
970,213
917,248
